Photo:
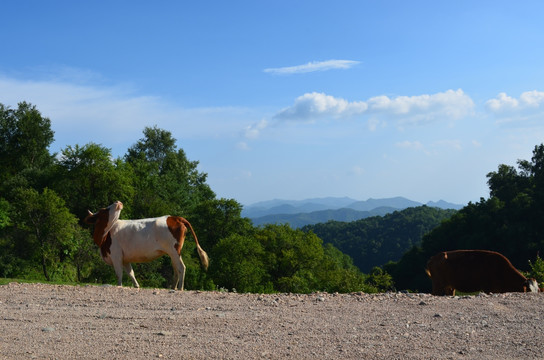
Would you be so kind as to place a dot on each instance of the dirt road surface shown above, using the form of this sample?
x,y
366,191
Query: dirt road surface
x,y
40,321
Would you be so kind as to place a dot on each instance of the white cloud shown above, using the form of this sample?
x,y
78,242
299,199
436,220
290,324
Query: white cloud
x,y
405,109
312,105
451,104
532,98
503,103
313,66
379,110
373,124
253,131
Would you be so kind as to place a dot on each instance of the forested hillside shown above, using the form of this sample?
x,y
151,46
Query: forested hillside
x,y
510,221
377,240
45,196
322,216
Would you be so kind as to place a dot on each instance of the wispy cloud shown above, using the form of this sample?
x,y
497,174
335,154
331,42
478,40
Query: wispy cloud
x,y
313,66
115,115
242,145
357,170
252,131
415,145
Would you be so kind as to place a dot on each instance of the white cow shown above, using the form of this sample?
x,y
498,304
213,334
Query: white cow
x,y
123,242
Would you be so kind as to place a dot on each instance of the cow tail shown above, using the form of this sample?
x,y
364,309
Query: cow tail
x,y
201,253
428,269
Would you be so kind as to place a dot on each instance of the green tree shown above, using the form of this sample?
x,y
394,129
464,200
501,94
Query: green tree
x,y
239,265
217,219
291,257
25,136
85,256
165,180
49,228
88,178
336,273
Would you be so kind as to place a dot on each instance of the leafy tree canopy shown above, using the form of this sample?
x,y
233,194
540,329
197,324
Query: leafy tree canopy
x,y
25,137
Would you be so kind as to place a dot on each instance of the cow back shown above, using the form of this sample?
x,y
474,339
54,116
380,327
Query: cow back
x,y
474,270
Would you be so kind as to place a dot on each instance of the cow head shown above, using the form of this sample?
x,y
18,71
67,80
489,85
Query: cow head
x,y
103,220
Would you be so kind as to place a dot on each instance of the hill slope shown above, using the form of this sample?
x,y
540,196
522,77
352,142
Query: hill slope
x,y
377,240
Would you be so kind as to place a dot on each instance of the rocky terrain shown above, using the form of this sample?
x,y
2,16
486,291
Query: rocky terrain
x,y
40,321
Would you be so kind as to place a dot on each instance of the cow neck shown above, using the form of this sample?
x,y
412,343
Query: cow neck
x,y
108,228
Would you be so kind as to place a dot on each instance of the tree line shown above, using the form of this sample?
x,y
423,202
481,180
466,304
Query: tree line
x,y
45,196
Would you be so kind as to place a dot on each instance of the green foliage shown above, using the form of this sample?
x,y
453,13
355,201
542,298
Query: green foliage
x,y
537,270
376,240
165,180
24,139
47,231
4,214
87,178
380,279
279,258
239,264
217,219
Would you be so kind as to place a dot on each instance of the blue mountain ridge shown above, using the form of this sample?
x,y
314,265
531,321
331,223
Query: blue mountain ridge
x,y
298,213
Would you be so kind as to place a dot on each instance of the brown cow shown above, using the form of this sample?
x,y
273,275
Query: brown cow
x,y
476,270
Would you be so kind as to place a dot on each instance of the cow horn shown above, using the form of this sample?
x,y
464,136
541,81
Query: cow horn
x,y
90,213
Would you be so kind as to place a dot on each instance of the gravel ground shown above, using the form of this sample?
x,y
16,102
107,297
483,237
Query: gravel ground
x,y
40,321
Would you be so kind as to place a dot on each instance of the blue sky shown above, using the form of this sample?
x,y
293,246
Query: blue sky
x,y
292,99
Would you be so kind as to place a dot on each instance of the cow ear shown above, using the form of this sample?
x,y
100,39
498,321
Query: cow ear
x,y
90,219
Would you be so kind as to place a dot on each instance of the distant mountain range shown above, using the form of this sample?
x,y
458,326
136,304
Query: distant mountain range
x,y
299,213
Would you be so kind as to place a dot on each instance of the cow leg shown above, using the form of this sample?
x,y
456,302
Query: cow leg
x,y
179,272
118,267
439,289
130,272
